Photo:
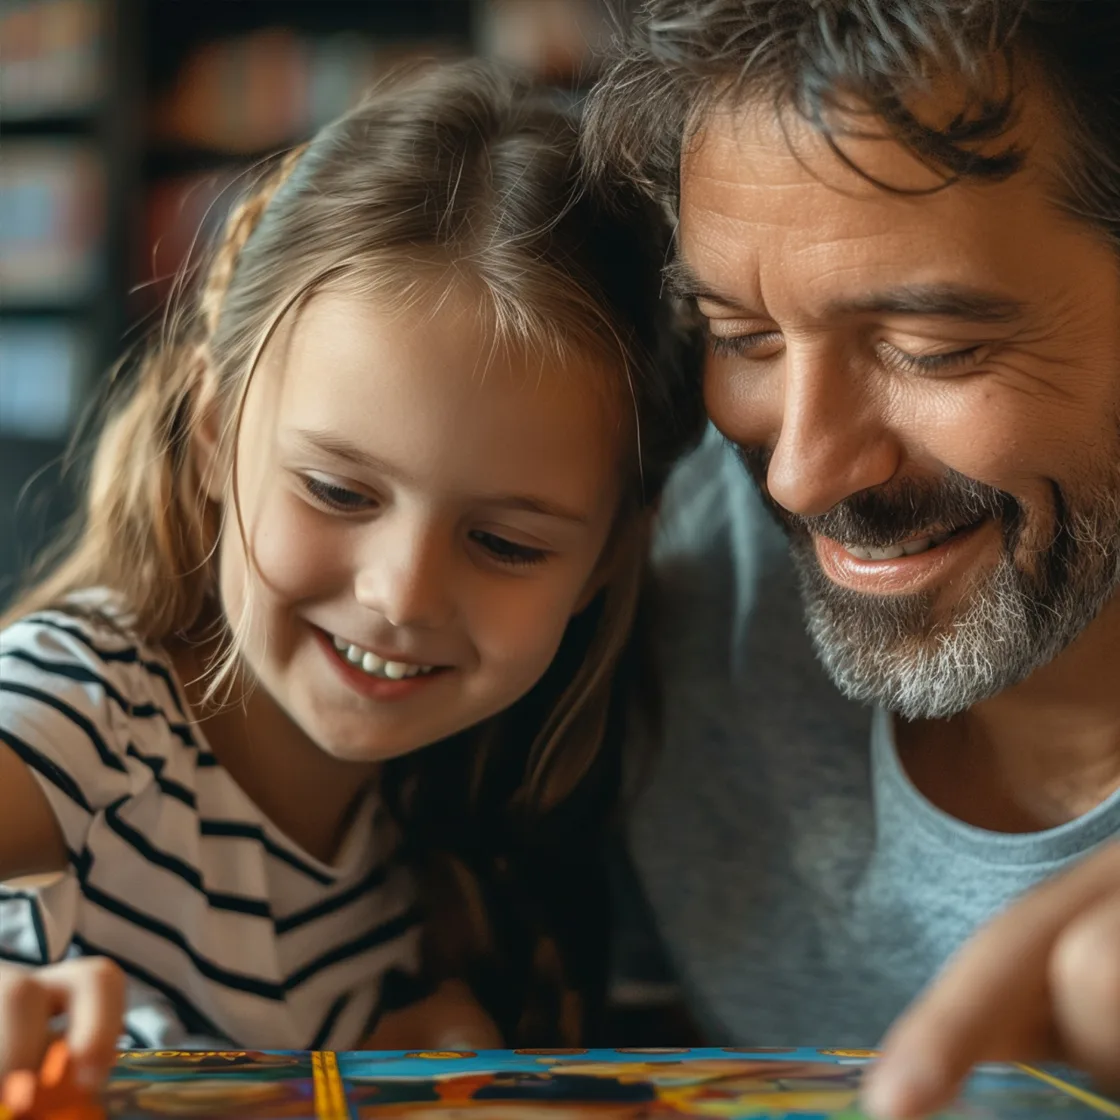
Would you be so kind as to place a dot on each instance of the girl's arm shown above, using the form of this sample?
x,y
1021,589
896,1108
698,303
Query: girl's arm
x,y
30,840
449,1019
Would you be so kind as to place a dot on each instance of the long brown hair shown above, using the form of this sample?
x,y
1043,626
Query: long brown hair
x,y
454,171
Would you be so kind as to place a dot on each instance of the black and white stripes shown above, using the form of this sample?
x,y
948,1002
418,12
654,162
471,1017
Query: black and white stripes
x,y
226,929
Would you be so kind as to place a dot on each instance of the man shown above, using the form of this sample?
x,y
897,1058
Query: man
x,y
899,223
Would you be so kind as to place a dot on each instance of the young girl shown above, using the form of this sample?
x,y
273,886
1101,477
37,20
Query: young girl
x,y
387,487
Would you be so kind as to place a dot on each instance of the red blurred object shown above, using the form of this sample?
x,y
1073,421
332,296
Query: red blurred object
x,y
52,1093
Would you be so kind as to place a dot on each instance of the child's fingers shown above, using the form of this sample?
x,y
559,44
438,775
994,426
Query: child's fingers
x,y
93,989
26,1009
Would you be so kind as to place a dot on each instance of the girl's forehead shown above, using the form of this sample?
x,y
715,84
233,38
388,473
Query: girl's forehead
x,y
437,398
448,339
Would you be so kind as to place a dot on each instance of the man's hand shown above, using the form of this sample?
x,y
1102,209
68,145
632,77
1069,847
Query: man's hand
x,y
1041,981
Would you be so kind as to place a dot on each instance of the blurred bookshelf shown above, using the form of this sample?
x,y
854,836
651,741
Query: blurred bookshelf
x,y
126,127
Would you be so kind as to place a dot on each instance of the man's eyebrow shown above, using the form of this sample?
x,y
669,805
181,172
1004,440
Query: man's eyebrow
x,y
341,448
949,301
684,284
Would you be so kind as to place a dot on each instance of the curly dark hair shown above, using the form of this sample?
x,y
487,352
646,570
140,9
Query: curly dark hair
x,y
680,57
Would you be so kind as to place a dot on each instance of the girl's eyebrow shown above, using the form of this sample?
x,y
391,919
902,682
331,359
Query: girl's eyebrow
x,y
338,446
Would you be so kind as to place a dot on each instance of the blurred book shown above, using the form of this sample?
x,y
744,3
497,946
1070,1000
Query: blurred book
x,y
51,59
253,93
557,41
43,374
52,222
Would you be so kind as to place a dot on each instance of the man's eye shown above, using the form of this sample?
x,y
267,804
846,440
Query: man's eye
x,y
333,496
761,344
953,361
505,551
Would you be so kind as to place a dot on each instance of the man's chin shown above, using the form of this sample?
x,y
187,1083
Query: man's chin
x,y
916,654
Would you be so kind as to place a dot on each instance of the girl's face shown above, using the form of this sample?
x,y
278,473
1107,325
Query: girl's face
x,y
423,512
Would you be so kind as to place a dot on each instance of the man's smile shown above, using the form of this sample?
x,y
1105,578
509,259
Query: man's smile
x,y
910,566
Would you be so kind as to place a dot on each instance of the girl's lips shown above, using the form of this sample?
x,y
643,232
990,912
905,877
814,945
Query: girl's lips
x,y
906,574
377,688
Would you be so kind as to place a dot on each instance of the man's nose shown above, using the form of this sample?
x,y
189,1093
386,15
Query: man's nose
x,y
830,431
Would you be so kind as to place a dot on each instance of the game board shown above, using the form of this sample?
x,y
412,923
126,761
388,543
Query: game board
x,y
789,1084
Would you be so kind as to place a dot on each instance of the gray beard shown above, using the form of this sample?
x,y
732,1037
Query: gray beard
x,y
894,651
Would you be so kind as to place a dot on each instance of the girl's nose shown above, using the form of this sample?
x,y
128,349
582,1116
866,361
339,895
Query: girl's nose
x,y
405,577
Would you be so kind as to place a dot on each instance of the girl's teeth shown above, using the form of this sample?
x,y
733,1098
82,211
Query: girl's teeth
x,y
376,666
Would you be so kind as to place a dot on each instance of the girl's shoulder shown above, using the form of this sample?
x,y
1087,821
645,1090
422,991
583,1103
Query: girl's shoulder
x,y
76,676
89,637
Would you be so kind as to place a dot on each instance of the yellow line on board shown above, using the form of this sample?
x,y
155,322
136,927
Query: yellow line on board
x,y
1101,1104
330,1097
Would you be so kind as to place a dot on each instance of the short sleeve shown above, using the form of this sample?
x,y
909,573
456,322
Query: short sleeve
x,y
62,712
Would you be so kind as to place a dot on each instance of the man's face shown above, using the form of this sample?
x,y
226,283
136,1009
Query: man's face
x,y
927,388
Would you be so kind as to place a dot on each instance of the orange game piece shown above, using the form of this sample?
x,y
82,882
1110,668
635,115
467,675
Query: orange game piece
x,y
51,1094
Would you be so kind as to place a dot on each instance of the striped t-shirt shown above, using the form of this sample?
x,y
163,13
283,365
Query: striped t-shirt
x,y
227,931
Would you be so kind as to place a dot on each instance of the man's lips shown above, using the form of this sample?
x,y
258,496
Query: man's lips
x,y
908,567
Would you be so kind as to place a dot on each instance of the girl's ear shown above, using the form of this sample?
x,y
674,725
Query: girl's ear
x,y
595,583
206,426
627,547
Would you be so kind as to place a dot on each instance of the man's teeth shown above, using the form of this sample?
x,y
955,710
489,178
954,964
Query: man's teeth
x,y
894,551
376,666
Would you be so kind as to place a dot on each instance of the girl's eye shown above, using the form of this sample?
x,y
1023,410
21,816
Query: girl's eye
x,y
955,361
762,344
335,497
507,552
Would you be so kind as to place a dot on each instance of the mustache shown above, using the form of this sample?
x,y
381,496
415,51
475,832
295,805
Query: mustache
x,y
898,510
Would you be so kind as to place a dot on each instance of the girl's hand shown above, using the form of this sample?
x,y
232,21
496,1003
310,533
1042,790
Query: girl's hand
x,y
449,1019
1041,981
89,991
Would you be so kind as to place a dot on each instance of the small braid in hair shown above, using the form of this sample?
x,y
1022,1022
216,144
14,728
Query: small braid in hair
x,y
243,219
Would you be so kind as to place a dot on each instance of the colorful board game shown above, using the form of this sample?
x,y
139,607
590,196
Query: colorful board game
x,y
555,1085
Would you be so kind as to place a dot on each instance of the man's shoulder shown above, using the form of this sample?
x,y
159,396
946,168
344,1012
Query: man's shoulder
x,y
718,556
709,500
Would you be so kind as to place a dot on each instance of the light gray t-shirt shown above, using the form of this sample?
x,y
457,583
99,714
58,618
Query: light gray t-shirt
x,y
802,888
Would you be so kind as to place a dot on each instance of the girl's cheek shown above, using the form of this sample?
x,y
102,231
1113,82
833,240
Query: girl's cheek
x,y
297,552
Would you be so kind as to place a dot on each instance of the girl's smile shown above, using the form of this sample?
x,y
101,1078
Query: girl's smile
x,y
376,677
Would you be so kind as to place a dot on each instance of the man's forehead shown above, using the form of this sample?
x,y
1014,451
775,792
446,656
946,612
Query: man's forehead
x,y
767,201
852,149
754,145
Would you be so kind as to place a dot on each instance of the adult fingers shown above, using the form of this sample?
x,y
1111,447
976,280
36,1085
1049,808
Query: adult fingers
x,y
1085,984
992,1001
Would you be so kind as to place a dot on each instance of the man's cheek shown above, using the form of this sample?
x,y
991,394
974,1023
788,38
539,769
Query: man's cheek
x,y
737,407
